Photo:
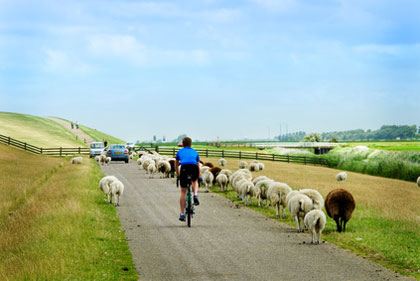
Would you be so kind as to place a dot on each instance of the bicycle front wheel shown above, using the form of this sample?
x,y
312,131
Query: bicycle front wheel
x,y
189,219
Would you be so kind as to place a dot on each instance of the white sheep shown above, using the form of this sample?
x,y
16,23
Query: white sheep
x,y
316,197
204,169
342,176
117,189
226,172
208,180
261,166
243,165
418,181
290,195
263,186
77,160
102,159
238,176
147,162
108,160
222,180
222,162
260,178
315,221
97,158
245,189
276,193
105,185
151,169
299,206
253,167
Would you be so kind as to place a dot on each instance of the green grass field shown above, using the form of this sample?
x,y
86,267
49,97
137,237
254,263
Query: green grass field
x,y
37,131
99,136
385,226
55,223
389,145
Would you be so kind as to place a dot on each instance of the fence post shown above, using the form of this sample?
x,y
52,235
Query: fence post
x,y
8,141
240,155
25,145
41,150
79,149
173,152
256,155
223,154
207,153
304,159
61,151
273,157
288,158
157,149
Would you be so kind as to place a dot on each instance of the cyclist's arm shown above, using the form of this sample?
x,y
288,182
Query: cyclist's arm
x,y
177,167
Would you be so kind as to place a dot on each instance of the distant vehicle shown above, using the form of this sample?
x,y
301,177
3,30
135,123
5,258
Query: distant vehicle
x,y
96,148
117,152
130,145
180,144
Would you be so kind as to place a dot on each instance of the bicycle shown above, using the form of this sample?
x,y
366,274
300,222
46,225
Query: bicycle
x,y
189,206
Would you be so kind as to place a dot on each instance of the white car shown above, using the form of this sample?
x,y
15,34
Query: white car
x,y
129,145
96,148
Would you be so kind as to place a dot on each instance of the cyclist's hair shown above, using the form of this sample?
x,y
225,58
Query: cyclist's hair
x,y
186,142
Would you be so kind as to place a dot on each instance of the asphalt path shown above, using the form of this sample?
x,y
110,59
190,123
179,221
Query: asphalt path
x,y
225,242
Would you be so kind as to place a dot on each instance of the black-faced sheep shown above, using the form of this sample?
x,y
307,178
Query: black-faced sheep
x,y
340,205
342,176
315,221
253,167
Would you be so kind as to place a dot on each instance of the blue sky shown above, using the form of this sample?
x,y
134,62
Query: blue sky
x,y
212,68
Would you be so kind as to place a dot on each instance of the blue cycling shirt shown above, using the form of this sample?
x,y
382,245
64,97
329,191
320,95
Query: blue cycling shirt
x,y
187,155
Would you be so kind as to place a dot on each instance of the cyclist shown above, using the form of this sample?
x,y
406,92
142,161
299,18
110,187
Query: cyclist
x,y
189,160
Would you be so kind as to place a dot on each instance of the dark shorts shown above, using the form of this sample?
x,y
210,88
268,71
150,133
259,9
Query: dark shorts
x,y
189,169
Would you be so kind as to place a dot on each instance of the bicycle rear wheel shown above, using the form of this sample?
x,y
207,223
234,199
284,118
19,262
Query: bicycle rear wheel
x,y
189,214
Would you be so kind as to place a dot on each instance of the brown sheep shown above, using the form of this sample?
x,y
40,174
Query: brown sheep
x,y
208,164
340,205
215,171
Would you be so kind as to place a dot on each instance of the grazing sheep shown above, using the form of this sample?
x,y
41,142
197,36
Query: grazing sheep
x,y
208,164
261,166
102,159
342,176
222,180
151,169
140,162
104,185
108,160
117,189
418,181
316,197
290,195
226,172
208,180
254,161
245,189
260,178
299,206
204,169
222,162
315,221
131,156
276,193
172,163
254,167
340,205
238,176
215,171
147,162
164,167
243,165
97,158
263,186
77,160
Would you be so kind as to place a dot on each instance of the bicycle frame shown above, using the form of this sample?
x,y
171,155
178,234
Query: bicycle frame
x,y
189,207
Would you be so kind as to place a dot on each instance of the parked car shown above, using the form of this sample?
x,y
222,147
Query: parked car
x,y
96,148
117,152
130,146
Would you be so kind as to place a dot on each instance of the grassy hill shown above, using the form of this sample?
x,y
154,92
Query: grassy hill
x,y
99,136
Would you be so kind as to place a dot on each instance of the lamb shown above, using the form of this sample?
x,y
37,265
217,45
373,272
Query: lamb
x,y
261,166
245,189
151,169
164,167
104,185
108,160
342,176
299,206
222,162
315,221
77,160
97,158
340,205
222,180
102,159
208,180
316,197
254,167
276,193
243,165
117,189
418,181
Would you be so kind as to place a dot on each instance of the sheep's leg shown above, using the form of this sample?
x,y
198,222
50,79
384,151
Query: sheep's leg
x,y
278,210
313,236
109,198
284,214
337,221
297,223
259,201
344,225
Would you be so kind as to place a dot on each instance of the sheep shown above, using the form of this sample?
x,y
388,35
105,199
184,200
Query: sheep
x,y
238,176
245,189
147,162
299,206
172,163
204,169
241,172
290,195
151,169
254,167
131,156
340,205
316,197
97,158
243,165
261,166
208,180
208,164
222,180
418,181
77,160
117,189
226,172
276,193
254,161
108,160
263,186
315,221
104,185
260,178
139,162
102,159
164,167
215,171
222,162
342,176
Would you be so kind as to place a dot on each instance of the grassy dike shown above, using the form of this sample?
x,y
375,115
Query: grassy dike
x,y
55,223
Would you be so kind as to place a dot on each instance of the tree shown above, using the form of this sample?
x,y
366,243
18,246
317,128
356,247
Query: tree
x,y
314,137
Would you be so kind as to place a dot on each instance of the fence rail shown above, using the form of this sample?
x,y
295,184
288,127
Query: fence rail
x,y
56,151
209,153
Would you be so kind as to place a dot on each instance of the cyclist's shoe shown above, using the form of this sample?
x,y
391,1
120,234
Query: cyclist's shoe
x,y
182,217
192,211
196,202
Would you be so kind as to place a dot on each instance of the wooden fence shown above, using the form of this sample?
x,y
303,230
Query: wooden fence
x,y
210,153
57,151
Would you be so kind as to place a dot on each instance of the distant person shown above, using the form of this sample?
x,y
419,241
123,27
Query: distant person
x,y
105,143
77,124
72,125
189,160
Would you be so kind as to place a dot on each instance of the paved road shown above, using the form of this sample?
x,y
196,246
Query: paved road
x,y
79,133
224,242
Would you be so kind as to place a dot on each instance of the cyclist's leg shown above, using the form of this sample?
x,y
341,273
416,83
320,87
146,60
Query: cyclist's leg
x,y
195,187
182,199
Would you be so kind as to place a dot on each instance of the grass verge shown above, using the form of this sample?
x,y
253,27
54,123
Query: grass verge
x,y
385,226
55,223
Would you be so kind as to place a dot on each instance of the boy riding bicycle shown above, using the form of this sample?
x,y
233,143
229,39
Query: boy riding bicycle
x,y
190,166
